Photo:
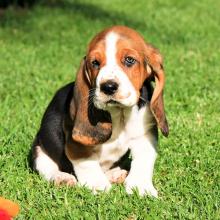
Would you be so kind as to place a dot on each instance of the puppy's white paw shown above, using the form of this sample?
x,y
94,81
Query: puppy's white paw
x,y
144,188
96,183
64,178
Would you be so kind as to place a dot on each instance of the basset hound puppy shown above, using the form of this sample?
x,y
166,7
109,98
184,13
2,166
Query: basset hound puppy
x,y
102,128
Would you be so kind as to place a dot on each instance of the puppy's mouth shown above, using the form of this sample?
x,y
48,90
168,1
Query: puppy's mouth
x,y
113,102
107,103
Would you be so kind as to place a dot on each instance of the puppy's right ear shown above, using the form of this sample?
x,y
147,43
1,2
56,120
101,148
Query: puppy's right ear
x,y
155,61
91,126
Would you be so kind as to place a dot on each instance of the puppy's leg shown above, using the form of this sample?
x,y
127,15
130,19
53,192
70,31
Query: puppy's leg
x,y
143,157
47,168
90,174
116,175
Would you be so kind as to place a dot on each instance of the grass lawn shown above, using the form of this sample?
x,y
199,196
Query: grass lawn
x,y
40,50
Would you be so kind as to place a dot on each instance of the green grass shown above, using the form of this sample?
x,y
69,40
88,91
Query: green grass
x,y
40,50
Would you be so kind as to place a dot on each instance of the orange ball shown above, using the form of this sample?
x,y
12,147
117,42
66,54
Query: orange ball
x,y
11,208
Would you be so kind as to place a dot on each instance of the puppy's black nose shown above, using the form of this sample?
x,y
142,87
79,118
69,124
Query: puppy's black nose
x,y
109,87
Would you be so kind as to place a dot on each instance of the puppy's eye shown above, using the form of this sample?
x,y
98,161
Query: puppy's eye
x,y
95,64
129,61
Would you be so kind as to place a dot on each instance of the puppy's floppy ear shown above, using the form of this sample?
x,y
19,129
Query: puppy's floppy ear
x,y
91,126
155,61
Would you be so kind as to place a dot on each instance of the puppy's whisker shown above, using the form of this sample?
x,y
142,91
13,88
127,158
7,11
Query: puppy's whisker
x,y
143,99
88,97
91,94
93,89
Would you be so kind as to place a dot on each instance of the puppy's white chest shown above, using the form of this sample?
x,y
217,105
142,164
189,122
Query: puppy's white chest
x,y
127,125
115,147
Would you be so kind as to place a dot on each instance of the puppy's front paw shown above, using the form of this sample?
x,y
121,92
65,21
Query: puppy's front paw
x,y
116,175
97,183
143,187
62,178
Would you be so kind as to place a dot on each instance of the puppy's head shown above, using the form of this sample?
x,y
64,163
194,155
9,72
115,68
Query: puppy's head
x,y
116,67
117,63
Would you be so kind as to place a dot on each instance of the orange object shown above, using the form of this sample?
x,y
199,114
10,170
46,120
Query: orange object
x,y
4,215
11,208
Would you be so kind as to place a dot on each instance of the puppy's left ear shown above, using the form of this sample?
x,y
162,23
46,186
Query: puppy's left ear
x,y
155,61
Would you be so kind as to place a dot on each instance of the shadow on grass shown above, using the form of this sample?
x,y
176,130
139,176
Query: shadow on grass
x,y
16,3
88,10
93,12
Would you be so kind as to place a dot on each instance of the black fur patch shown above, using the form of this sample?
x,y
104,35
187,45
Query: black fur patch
x,y
51,135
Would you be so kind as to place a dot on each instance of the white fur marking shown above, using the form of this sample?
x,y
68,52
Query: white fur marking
x,y
115,147
112,71
45,165
134,133
111,41
90,174
143,157
50,171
